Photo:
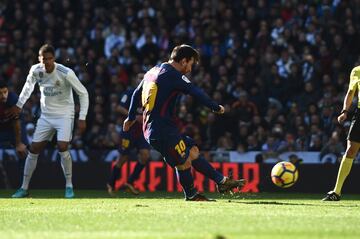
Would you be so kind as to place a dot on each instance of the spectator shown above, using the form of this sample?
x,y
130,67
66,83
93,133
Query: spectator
x,y
115,41
333,147
254,53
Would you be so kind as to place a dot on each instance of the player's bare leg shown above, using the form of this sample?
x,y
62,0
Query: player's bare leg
x,y
344,170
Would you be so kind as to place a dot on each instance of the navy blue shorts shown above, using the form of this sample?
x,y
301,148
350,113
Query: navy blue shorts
x,y
128,142
174,148
354,131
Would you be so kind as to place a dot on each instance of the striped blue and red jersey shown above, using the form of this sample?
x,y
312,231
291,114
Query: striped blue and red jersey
x,y
159,91
6,122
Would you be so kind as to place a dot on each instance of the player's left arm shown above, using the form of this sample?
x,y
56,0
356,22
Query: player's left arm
x,y
134,103
122,107
19,145
187,87
83,98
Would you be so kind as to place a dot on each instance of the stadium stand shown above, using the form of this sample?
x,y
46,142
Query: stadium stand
x,y
280,67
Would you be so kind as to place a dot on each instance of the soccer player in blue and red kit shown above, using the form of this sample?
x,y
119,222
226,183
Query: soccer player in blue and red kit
x,y
159,91
133,138
12,132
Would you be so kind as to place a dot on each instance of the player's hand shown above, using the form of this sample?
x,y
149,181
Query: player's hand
x,y
81,126
342,118
127,124
21,150
13,112
221,111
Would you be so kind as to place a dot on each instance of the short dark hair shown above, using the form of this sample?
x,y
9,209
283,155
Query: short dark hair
x,y
184,51
3,84
46,48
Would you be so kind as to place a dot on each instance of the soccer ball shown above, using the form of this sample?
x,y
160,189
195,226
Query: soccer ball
x,y
284,174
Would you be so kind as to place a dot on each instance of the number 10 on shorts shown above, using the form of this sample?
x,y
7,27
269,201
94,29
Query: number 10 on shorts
x,y
180,148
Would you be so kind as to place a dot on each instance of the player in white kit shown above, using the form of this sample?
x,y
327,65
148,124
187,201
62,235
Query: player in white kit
x,y
56,83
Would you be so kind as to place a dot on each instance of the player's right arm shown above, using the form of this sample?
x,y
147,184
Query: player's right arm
x,y
135,98
354,79
27,89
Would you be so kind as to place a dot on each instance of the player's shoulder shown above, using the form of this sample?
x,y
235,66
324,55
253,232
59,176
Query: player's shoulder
x,y
37,71
35,68
356,68
12,99
355,73
168,70
60,68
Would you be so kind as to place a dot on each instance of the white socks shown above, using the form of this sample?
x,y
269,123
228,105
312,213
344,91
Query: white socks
x,y
30,165
66,164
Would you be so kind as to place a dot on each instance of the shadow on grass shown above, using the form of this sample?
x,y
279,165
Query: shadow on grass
x,y
244,198
288,196
320,204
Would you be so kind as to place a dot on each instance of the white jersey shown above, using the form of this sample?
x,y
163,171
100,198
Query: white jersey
x,y
56,91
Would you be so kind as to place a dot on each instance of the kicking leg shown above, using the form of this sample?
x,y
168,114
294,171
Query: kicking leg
x,y
200,164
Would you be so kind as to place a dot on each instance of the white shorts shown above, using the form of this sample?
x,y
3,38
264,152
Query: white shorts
x,y
47,127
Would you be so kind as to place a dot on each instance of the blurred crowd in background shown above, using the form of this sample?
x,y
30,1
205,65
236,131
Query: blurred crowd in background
x,y
280,68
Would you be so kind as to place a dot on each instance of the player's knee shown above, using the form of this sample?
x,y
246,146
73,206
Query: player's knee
x,y
143,161
185,165
144,156
351,152
62,146
194,153
117,163
35,148
121,160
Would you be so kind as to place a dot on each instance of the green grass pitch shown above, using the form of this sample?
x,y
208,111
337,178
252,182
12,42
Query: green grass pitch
x,y
93,214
